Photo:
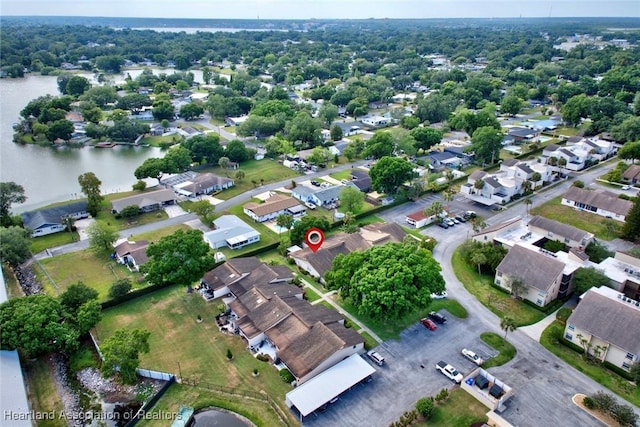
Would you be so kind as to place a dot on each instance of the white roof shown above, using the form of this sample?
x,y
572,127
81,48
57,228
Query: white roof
x,y
322,388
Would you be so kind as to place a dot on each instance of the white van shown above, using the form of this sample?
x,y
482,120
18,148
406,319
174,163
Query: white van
x,y
376,357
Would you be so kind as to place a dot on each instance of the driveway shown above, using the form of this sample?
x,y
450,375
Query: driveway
x,y
174,211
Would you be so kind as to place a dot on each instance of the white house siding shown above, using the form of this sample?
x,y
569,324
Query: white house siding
x,y
613,354
534,295
598,211
43,231
307,267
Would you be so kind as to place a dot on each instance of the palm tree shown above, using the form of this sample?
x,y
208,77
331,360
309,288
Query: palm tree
x,y
435,209
528,202
478,258
448,196
478,223
507,324
478,184
240,175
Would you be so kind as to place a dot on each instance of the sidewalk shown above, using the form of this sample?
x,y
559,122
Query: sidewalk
x,y
327,297
535,331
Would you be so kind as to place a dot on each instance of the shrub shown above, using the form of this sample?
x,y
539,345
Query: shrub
x,y
286,376
229,354
624,414
425,406
443,395
130,211
603,401
588,402
263,357
120,288
140,185
563,314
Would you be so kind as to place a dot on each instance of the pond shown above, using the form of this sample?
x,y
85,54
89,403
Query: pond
x,y
219,418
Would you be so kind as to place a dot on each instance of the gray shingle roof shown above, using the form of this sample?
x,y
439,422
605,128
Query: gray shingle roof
x,y
144,199
559,229
35,219
600,199
536,269
609,319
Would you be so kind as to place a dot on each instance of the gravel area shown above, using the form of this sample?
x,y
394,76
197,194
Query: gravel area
x,y
70,399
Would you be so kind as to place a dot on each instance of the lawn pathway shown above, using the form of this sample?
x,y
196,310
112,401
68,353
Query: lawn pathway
x,y
327,297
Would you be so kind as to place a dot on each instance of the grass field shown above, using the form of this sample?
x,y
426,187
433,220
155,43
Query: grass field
x,y
459,410
42,393
590,222
255,170
156,141
598,373
494,299
506,349
39,244
196,351
345,174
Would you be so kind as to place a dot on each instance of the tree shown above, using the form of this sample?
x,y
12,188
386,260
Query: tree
x,y
223,162
59,129
479,259
204,210
379,146
448,196
478,223
303,128
348,223
598,252
240,175
630,151
236,151
586,278
435,209
14,245
385,281
426,137
102,236
121,353
77,85
508,324
389,173
153,167
486,144
36,324
300,228
634,371
120,288
518,286
130,211
285,221
351,199
426,407
631,227
319,156
90,185
76,295
511,105
163,109
328,113
192,110
10,192
180,258
336,134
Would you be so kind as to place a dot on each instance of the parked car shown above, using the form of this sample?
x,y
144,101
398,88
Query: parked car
x,y
625,187
469,214
376,357
310,205
315,183
440,295
443,225
455,221
428,323
437,317
460,219
472,356
449,222
449,372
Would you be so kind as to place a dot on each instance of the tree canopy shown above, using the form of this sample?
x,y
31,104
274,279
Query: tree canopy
x,y
389,173
300,228
14,245
121,353
10,192
90,185
180,258
386,281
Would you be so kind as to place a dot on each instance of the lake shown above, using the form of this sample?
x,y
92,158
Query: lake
x,y
51,174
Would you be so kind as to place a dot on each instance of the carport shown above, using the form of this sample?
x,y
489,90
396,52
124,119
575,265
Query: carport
x,y
329,384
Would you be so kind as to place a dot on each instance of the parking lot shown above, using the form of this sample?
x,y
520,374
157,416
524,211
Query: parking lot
x,y
408,374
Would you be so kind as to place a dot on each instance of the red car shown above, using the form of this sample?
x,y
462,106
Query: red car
x,y
428,323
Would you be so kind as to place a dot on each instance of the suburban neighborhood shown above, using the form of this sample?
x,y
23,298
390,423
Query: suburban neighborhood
x,y
393,234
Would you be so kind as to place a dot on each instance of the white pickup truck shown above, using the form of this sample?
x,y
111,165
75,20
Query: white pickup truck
x,y
449,371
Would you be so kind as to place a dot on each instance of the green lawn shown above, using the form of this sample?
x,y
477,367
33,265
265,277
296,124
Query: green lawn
x,y
459,410
345,174
311,294
156,141
96,271
124,223
155,235
42,393
506,349
494,299
268,170
39,244
387,329
259,412
605,377
583,220
179,344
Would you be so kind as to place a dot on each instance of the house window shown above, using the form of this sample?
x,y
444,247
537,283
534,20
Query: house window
x,y
566,240
572,327
568,336
625,365
630,356
499,273
497,281
539,302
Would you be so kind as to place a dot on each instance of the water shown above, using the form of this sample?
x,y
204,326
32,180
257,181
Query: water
x,y
213,418
51,174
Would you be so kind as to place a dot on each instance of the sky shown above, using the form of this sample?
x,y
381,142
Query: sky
x,y
323,9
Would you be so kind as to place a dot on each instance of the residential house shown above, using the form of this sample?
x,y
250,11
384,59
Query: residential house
x,y
554,230
444,159
599,202
132,254
361,179
579,153
631,175
53,220
274,206
418,219
349,129
458,151
523,135
623,271
376,121
606,323
146,202
319,262
542,274
156,129
493,232
204,183
327,197
230,231
272,316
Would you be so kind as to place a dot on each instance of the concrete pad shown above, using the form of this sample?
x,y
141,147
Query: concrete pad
x,y
264,196
174,211
212,200
330,179
82,225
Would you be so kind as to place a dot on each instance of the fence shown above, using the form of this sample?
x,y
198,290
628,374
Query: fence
x,y
150,404
155,375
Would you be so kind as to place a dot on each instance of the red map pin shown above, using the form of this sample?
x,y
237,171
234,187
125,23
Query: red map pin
x,y
314,238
